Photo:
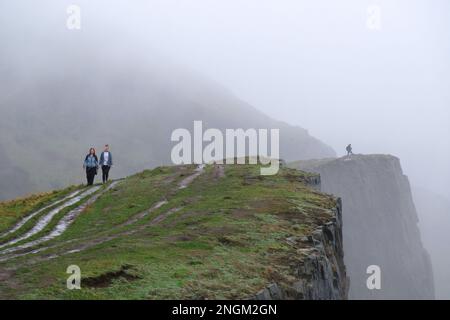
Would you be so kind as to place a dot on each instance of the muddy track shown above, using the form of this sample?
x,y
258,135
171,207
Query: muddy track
x,y
61,226
181,185
188,180
93,242
47,218
27,218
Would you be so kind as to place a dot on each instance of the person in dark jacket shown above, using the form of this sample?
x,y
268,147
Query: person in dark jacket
x,y
349,150
91,166
106,163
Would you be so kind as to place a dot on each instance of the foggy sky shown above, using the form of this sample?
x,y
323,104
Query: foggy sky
x,y
310,63
316,64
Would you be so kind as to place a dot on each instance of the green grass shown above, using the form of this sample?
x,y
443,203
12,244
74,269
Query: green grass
x,y
12,211
227,240
52,224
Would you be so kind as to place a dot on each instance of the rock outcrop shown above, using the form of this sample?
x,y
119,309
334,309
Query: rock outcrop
x,y
379,225
321,274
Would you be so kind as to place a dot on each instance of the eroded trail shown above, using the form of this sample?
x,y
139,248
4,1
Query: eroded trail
x,y
60,227
45,220
24,220
188,180
88,243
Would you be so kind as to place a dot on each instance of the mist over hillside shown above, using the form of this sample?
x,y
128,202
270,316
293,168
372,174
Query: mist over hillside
x,y
51,116
434,218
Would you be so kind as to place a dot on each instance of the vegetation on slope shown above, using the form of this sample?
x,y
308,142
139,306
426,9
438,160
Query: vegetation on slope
x,y
222,236
11,211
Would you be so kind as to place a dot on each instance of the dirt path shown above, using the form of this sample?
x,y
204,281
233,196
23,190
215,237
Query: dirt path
x,y
188,180
9,253
47,218
94,242
61,226
24,220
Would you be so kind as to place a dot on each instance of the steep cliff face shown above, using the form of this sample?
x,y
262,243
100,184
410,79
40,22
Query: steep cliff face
x,y
380,225
321,274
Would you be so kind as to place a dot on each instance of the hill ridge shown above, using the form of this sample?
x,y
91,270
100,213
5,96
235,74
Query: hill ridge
x,y
283,230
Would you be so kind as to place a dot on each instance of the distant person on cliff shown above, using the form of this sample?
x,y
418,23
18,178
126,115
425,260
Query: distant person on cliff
x,y
349,150
91,166
106,163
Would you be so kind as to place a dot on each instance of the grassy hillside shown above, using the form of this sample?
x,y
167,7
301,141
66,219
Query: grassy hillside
x,y
172,232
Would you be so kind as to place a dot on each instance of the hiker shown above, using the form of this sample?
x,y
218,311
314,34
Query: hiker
x,y
91,166
349,150
106,163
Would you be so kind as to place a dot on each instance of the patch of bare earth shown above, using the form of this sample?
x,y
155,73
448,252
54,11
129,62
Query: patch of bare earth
x,y
8,280
219,171
106,279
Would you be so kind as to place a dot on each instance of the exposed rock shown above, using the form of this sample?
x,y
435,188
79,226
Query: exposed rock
x,y
321,273
380,225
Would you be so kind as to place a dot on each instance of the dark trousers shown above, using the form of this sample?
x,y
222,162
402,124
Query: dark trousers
x,y
105,173
90,175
